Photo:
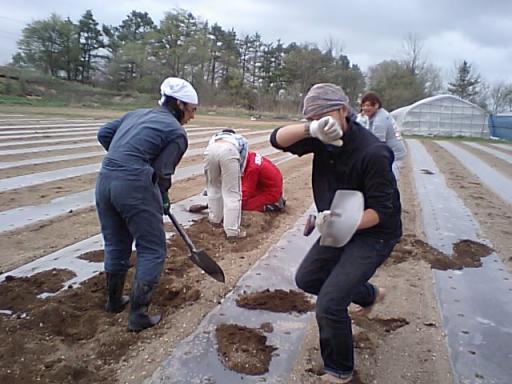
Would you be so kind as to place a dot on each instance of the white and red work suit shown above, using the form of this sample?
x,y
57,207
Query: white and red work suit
x,y
262,183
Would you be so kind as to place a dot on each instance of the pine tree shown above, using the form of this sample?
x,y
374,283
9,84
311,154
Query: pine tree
x,y
466,84
90,42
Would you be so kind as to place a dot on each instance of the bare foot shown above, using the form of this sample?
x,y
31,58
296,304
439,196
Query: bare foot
x,y
365,311
327,378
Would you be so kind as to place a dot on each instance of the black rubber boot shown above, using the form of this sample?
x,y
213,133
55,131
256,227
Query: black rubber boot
x,y
140,299
116,302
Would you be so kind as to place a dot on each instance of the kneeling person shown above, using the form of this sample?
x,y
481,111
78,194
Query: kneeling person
x,y
262,185
224,161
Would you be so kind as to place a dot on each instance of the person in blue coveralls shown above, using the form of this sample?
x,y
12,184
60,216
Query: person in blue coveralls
x,y
143,149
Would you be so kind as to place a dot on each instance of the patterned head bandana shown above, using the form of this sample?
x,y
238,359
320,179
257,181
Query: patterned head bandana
x,y
323,98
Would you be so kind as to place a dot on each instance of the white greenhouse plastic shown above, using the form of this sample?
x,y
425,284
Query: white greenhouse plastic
x,y
442,115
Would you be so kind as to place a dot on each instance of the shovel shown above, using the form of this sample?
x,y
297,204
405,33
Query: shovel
x,y
198,256
345,215
310,225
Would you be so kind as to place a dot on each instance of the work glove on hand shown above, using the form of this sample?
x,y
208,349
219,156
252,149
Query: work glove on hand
x,y
326,130
321,221
166,203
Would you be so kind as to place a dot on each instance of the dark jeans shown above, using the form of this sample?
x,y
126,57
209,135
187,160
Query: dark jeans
x,y
339,276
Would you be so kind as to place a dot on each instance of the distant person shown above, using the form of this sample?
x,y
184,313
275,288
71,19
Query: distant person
x,y
143,149
346,157
362,119
224,160
382,125
262,185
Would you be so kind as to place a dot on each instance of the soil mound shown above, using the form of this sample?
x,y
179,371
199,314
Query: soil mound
x,y
18,291
243,349
276,301
466,253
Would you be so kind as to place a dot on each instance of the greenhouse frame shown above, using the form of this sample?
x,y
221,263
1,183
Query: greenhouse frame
x,y
443,115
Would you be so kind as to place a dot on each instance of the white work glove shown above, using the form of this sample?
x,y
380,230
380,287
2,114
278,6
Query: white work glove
x,y
326,130
321,221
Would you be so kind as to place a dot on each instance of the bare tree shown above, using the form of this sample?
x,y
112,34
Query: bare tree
x,y
415,62
395,84
413,54
500,97
334,46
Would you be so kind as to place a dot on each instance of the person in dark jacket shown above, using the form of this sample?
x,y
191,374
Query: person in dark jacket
x,y
346,157
143,149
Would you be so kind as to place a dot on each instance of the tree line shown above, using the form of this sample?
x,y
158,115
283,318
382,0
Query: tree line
x,y
228,68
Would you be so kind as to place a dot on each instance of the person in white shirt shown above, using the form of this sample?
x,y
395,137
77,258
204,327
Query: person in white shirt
x,y
382,125
224,161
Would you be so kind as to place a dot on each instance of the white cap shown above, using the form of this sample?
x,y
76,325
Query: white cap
x,y
179,89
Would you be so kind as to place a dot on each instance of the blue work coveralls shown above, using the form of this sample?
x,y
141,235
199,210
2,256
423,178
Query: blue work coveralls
x,y
143,149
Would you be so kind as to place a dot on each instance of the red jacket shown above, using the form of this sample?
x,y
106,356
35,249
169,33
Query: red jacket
x,y
262,183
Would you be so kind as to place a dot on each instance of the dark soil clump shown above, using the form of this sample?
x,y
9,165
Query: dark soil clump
x,y
470,252
243,349
466,253
380,325
69,338
96,256
276,301
18,291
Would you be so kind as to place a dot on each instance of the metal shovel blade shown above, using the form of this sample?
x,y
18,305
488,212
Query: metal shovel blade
x,y
207,264
198,256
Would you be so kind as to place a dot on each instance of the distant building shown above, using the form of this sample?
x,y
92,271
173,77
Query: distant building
x,y
442,115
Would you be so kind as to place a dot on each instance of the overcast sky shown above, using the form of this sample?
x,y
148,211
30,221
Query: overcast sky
x,y
368,32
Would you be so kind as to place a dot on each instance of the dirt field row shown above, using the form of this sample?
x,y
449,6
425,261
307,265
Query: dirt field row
x,y
68,338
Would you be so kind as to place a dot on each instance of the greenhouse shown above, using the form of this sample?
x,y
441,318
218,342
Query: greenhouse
x,y
442,115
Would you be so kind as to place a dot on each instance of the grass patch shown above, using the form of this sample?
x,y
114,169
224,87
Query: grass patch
x,y
33,101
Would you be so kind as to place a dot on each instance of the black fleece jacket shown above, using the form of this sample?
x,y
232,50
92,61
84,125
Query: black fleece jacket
x,y
363,163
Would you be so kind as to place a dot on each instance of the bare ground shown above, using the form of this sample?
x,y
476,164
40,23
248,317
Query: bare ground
x,y
492,213
70,339
45,192
414,353
184,295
